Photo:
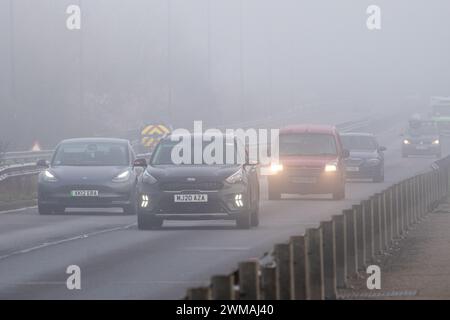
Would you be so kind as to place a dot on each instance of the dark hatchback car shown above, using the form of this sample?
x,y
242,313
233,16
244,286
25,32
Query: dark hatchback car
x,y
223,190
89,173
421,138
366,159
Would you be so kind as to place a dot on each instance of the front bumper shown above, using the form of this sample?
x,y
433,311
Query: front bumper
x,y
112,195
221,203
363,171
421,149
322,183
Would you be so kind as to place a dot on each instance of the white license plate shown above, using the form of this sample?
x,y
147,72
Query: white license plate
x,y
304,180
196,197
421,147
352,169
84,193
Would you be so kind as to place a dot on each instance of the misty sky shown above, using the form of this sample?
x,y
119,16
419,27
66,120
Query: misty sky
x,y
220,61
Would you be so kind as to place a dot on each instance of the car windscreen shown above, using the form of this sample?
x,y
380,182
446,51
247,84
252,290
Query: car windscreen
x,y
359,142
169,152
91,154
307,144
423,130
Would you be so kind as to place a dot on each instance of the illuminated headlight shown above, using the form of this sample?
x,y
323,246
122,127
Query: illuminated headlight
x,y
436,141
122,177
238,200
331,167
148,178
144,201
276,167
406,141
373,162
235,177
49,177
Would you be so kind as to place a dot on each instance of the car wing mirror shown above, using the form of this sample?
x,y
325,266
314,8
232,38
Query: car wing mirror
x,y
345,153
381,149
141,162
42,163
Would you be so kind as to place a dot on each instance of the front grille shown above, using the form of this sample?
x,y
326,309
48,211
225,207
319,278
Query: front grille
x,y
304,171
180,186
168,206
354,162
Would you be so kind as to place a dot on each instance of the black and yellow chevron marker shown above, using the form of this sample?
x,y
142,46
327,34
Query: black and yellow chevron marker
x,y
151,134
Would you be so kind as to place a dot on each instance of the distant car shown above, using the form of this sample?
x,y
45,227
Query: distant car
x,y
311,162
195,191
89,173
366,160
421,138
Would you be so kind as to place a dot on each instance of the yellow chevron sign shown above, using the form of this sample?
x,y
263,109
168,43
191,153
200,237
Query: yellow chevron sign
x,y
151,134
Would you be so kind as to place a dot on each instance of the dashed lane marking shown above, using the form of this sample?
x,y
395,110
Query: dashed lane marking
x,y
58,242
17,210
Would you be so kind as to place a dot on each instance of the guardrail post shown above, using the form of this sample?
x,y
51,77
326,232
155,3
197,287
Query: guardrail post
x,y
396,211
329,274
376,225
283,259
269,283
360,236
367,219
298,254
314,265
349,217
403,207
340,250
199,293
249,280
410,203
390,215
222,287
383,225
418,208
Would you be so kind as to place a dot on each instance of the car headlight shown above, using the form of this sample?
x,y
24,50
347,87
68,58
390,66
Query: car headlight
x,y
49,176
122,177
331,167
436,141
235,177
276,167
406,141
373,162
148,178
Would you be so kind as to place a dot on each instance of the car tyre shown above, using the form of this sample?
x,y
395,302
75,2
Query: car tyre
x,y
148,222
45,210
274,193
243,221
379,177
340,193
255,216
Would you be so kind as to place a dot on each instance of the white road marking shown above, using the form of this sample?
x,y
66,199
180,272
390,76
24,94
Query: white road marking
x,y
217,248
17,210
58,242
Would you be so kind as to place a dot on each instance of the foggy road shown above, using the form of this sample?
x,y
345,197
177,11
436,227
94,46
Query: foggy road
x,y
118,261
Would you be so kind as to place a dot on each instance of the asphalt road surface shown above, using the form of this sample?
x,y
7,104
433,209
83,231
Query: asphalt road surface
x,y
118,261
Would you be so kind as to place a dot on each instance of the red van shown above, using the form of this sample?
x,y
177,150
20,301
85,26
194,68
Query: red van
x,y
311,161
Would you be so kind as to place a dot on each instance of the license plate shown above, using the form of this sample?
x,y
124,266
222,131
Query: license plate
x,y
421,147
196,197
303,180
352,169
84,193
